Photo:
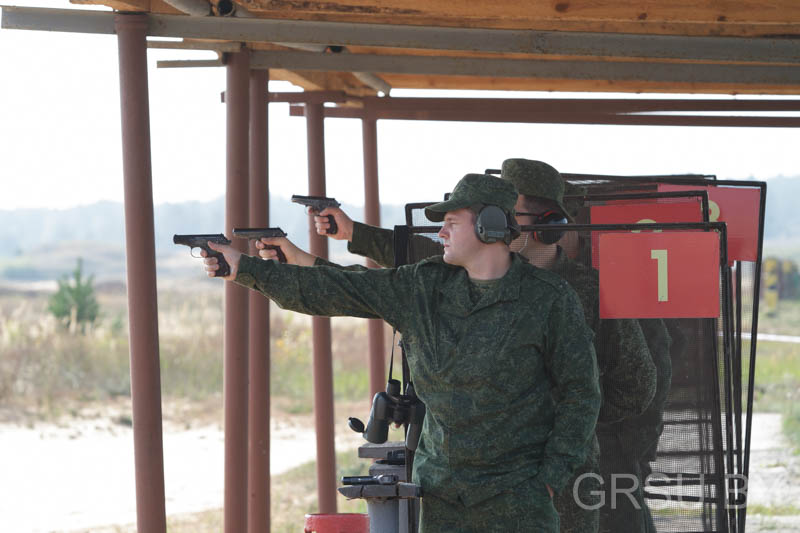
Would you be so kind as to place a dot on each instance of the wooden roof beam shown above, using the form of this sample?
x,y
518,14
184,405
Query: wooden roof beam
x,y
463,83
677,17
474,115
426,37
521,68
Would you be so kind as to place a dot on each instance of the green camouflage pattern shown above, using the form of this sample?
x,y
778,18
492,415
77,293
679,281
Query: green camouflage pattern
x,y
535,178
476,189
627,379
585,491
573,205
630,379
524,507
650,424
619,513
511,391
628,375
627,371
638,438
373,242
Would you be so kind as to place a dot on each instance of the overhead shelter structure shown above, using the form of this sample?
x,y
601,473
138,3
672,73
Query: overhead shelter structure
x,y
353,53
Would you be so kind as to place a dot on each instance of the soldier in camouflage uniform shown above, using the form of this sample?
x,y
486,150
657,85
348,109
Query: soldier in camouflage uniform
x,y
628,372
630,355
511,391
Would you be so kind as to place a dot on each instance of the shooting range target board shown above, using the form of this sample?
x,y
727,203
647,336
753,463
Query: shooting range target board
x,y
659,275
642,213
738,207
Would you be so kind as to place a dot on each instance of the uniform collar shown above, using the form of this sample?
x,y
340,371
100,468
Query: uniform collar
x,y
455,289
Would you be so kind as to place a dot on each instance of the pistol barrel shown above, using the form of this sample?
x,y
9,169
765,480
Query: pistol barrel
x,y
259,233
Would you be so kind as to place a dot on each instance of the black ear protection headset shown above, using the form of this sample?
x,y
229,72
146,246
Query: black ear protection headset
x,y
548,217
493,225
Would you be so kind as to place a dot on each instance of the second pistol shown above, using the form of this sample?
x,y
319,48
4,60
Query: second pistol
x,y
259,233
200,240
318,204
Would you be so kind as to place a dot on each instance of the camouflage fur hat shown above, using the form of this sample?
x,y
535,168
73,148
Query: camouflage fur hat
x,y
476,189
535,178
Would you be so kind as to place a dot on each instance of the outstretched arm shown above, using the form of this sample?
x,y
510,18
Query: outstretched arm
x,y
365,240
332,291
294,255
372,242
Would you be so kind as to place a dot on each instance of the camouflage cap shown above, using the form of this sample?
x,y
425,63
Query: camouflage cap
x,y
476,189
535,178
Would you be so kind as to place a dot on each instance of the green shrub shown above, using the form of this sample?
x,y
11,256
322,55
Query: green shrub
x,y
74,303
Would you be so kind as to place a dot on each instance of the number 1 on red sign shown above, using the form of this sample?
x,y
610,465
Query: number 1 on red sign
x,y
663,288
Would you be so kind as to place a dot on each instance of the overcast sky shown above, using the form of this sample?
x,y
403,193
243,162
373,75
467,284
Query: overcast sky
x,y
60,136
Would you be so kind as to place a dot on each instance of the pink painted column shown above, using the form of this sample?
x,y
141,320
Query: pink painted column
x,y
236,297
140,260
258,471
372,216
321,326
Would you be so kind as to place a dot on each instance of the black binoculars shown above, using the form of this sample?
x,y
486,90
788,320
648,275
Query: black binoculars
x,y
392,407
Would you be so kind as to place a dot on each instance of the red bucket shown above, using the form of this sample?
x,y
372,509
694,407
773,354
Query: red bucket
x,y
337,523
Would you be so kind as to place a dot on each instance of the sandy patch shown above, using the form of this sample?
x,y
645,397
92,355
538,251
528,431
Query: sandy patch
x,y
79,474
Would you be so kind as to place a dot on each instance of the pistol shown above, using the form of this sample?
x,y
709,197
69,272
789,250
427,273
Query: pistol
x,y
258,233
201,241
317,204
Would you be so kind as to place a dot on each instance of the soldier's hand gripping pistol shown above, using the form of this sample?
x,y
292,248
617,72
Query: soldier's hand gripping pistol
x,y
201,240
259,233
318,204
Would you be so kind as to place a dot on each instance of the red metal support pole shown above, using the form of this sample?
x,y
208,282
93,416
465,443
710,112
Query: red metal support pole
x,y
137,173
372,216
321,326
258,471
236,297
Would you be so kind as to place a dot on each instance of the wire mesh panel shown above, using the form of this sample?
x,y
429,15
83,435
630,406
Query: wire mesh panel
x,y
666,457
741,204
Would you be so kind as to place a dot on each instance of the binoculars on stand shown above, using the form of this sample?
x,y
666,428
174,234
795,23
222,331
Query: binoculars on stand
x,y
392,407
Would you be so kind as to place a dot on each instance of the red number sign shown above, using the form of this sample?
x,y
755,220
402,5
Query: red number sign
x,y
642,213
738,208
659,275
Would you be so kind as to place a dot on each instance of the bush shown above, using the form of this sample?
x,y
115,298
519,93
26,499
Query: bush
x,y
74,303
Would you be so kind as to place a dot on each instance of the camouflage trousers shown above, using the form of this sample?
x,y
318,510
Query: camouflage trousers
x,y
526,507
625,509
582,491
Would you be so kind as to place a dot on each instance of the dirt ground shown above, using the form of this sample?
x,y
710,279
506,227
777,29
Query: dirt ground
x,y
77,474
80,469
774,476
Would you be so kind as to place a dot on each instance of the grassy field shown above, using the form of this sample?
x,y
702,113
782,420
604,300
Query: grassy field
x,y
777,376
47,370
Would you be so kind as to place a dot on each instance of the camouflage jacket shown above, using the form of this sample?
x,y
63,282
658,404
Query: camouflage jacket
x,y
511,391
373,242
627,370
